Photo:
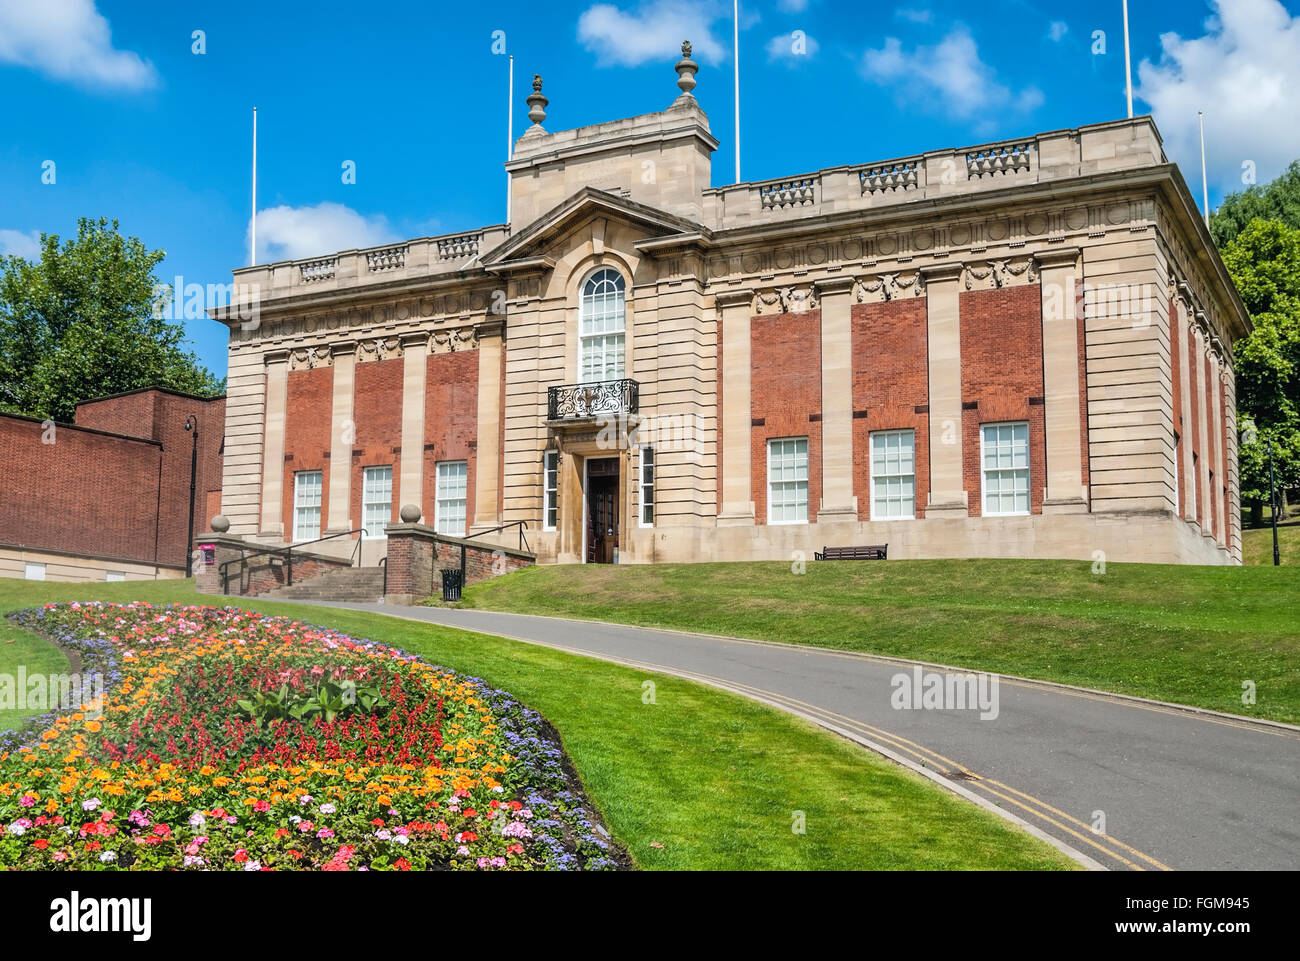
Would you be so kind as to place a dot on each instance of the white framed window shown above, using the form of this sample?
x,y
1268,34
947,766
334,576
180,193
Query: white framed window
x,y
376,500
893,475
551,486
115,575
449,503
306,505
647,487
787,480
33,571
1004,460
602,311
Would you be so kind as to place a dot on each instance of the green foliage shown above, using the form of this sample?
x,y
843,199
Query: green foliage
x,y
1264,261
329,701
1279,200
85,320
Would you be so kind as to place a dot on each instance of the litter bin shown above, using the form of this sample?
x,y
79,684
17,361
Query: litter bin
x,y
453,579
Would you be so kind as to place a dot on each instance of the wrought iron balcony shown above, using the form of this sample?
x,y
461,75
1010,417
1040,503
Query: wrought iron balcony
x,y
584,401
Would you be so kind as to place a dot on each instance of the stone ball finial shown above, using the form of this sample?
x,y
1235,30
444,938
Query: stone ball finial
x,y
221,523
537,102
410,513
686,70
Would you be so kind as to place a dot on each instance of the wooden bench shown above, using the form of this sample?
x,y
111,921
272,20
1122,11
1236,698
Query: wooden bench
x,y
870,552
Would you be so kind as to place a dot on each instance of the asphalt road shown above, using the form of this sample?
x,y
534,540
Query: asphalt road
x,y
1176,790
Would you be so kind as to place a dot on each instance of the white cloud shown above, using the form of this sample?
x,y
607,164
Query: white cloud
x,y
950,73
292,233
69,40
914,14
1245,74
15,243
1057,30
792,48
655,31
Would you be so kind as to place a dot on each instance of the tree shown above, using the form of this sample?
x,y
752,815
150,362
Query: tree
x,y
1264,261
85,320
1279,200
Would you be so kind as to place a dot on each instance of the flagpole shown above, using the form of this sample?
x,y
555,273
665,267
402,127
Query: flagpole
x,y
735,41
1205,186
252,246
1128,70
510,134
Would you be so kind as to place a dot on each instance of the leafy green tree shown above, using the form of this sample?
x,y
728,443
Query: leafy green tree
x,y
1279,200
1264,261
86,319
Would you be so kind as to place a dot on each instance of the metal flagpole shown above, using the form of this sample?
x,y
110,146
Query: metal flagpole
x,y
510,133
735,41
1128,70
1205,188
252,246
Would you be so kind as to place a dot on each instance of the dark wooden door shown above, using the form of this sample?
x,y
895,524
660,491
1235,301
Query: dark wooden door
x,y
602,511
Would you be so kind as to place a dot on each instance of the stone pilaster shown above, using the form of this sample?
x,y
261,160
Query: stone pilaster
x,y
415,353
487,462
277,390
943,329
1065,492
342,434
1219,464
733,322
838,502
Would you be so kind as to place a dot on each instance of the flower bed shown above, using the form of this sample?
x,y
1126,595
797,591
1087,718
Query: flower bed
x,y
230,740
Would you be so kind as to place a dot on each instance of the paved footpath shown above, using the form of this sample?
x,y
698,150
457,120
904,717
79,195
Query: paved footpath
x,y
1177,790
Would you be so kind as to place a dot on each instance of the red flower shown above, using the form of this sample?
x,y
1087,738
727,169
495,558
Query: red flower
x,y
41,843
402,864
241,856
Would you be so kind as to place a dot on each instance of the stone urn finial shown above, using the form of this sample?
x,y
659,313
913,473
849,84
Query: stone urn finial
x,y
537,102
686,70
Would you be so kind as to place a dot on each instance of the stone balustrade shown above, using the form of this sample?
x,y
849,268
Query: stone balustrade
x,y
423,256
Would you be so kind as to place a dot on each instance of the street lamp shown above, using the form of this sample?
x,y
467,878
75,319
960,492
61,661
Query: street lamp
x,y
192,426
1272,498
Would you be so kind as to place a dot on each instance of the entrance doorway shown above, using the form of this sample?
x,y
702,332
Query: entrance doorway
x,y
602,510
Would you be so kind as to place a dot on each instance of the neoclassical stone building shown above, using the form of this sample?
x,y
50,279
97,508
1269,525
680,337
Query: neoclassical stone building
x,y
1019,349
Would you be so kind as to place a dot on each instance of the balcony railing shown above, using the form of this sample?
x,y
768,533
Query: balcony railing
x,y
583,401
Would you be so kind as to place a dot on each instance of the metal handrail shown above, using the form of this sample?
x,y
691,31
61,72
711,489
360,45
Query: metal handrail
x,y
287,554
522,525
383,563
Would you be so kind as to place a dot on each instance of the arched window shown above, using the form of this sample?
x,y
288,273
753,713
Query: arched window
x,y
601,326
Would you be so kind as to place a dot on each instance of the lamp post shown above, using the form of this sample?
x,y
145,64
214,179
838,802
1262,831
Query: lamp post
x,y
192,426
1272,499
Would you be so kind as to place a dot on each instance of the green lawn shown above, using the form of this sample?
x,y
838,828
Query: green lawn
x,y
1257,544
1178,633
701,779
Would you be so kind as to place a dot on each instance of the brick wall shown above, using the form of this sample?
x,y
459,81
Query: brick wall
x,y
450,422
1002,378
87,492
1176,373
160,416
482,561
377,410
1196,419
261,574
308,416
785,397
890,388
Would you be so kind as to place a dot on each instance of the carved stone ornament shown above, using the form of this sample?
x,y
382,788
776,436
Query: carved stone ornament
x,y
768,302
379,348
309,358
1000,273
799,300
452,340
887,287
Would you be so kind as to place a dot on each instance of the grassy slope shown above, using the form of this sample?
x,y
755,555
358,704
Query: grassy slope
x,y
1185,634
713,778
1257,544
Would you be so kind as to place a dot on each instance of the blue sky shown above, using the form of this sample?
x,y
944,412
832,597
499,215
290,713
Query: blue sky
x,y
143,129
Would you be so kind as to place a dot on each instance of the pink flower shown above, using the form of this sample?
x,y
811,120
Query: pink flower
x,y
27,800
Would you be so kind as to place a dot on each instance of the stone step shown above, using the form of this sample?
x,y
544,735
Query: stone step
x,y
346,584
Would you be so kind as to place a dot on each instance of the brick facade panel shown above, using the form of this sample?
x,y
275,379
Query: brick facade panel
x,y
786,395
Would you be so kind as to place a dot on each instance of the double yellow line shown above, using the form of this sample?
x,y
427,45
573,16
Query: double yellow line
x,y
1028,804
